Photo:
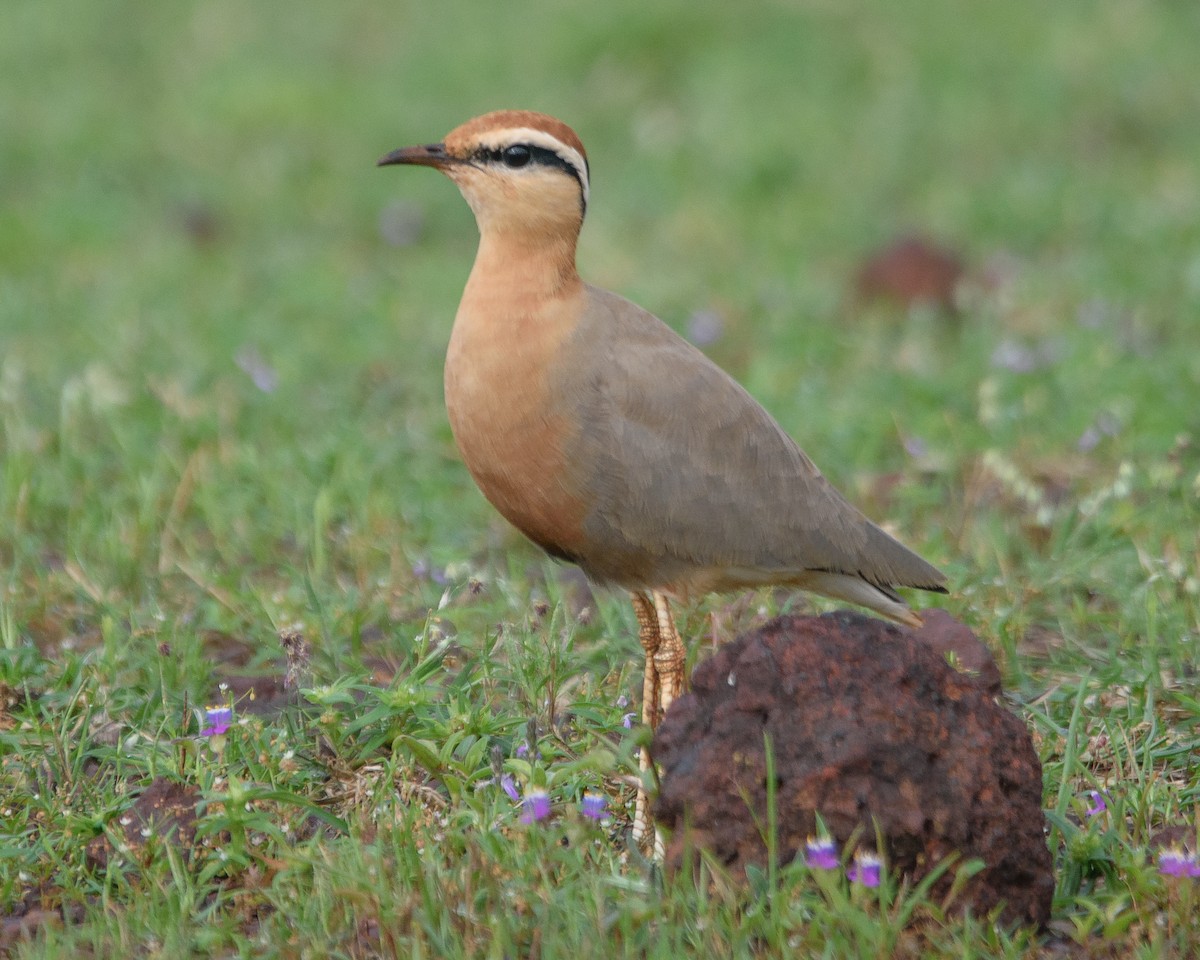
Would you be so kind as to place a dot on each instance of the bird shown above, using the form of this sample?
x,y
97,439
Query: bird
x,y
609,440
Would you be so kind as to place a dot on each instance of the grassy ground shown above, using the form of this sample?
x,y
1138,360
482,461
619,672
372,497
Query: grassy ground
x,y
220,341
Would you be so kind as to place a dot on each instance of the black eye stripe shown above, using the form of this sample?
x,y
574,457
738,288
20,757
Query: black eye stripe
x,y
539,155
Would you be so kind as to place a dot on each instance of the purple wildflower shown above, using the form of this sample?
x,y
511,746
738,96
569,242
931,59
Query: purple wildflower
x,y
260,372
821,853
1178,863
509,786
536,806
627,720
1096,803
218,719
594,805
865,869
705,327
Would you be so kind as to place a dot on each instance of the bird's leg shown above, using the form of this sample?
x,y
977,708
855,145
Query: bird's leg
x,y
647,618
648,634
669,656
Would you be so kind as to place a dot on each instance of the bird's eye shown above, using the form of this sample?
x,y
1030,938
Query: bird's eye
x,y
517,155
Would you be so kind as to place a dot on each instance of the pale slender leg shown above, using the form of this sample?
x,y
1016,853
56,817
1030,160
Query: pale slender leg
x,y
661,684
669,656
648,634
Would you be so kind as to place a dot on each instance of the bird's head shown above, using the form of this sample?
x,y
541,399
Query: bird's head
x,y
521,172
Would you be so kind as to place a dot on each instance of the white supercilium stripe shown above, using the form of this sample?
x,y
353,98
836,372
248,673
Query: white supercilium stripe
x,y
499,139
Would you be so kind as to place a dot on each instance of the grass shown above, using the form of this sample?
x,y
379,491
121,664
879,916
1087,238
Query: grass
x,y
189,195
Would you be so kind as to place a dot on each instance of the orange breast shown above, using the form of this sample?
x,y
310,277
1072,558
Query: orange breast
x,y
510,427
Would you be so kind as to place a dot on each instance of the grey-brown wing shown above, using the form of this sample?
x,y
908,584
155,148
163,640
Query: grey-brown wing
x,y
684,463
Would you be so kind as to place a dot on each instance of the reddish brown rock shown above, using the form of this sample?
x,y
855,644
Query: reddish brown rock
x,y
912,271
868,725
956,643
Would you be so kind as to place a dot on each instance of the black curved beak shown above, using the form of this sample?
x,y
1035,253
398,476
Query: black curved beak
x,y
430,155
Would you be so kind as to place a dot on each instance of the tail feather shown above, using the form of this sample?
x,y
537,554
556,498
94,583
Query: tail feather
x,y
844,586
888,561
